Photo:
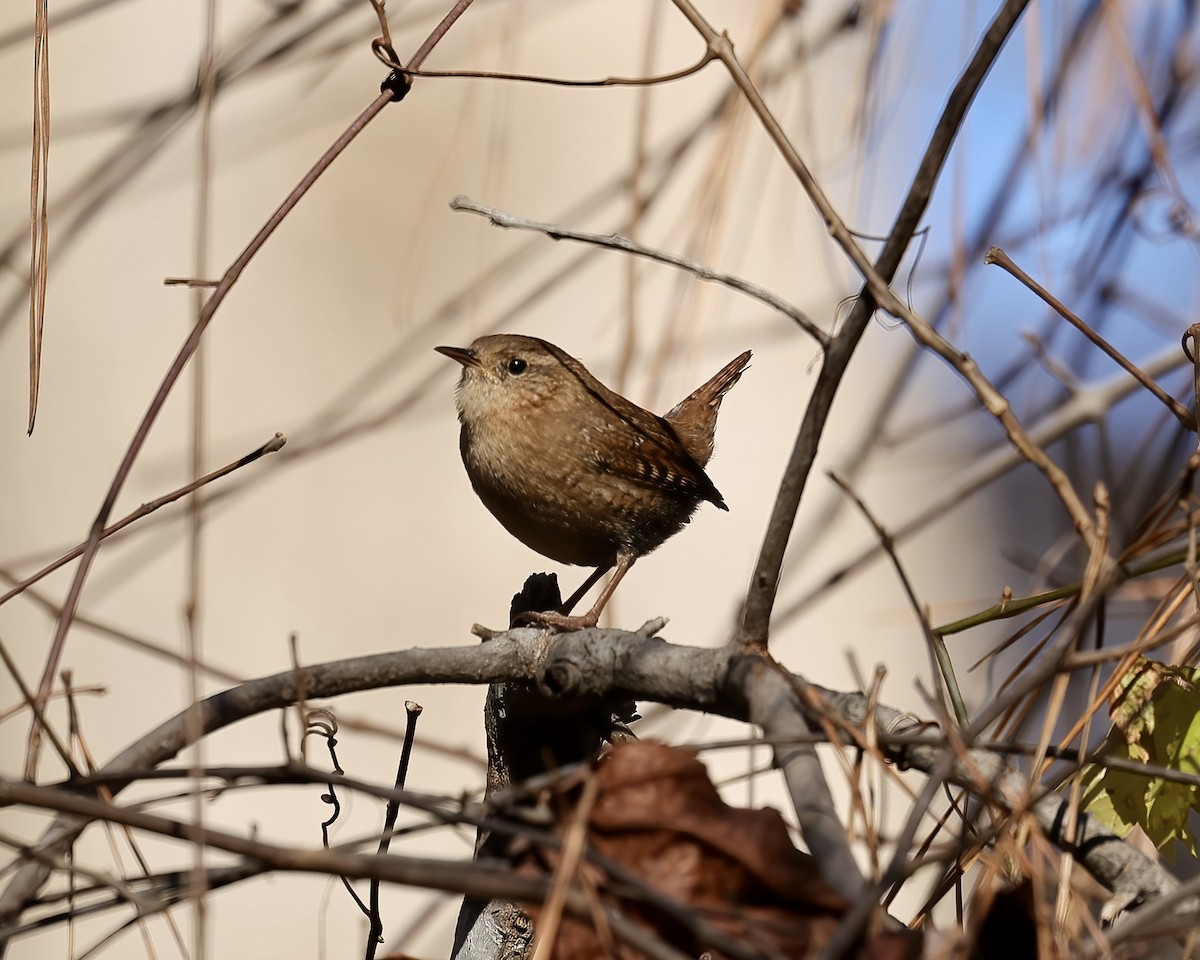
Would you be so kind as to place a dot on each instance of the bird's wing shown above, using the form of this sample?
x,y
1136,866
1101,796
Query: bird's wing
x,y
655,443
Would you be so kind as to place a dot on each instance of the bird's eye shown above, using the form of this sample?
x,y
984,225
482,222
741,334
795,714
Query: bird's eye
x,y
517,366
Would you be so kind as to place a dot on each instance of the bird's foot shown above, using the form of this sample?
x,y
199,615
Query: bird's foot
x,y
558,622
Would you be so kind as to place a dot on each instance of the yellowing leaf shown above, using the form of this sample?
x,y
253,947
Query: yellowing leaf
x,y
1156,720
1131,711
1167,817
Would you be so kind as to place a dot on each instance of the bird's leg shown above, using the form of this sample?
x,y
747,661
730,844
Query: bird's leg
x,y
624,562
560,622
590,582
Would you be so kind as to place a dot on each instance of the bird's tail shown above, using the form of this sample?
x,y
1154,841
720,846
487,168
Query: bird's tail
x,y
694,418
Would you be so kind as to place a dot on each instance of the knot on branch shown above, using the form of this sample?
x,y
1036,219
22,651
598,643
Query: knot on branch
x,y
397,84
572,662
561,678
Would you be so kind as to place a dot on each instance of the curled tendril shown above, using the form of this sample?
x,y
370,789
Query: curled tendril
x,y
322,722
386,54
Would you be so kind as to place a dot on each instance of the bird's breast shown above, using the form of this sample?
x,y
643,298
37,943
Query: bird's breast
x,y
550,491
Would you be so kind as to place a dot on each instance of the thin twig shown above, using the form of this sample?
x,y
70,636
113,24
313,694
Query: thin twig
x,y
186,351
651,81
1011,608
1087,405
435,36
764,583
323,722
375,933
39,260
271,446
616,241
36,705
189,282
384,41
387,95
79,742
574,845
206,88
941,656
1001,259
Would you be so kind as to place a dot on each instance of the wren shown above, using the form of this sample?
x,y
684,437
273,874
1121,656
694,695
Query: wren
x,y
574,470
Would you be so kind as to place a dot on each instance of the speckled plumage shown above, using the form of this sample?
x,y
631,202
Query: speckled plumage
x,y
569,467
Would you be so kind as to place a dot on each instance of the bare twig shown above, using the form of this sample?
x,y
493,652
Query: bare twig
x,y
617,242
206,88
574,844
271,446
942,663
1004,261
650,81
1087,405
375,934
764,583
79,743
228,280
381,46
390,92
36,705
38,220
1014,607
189,282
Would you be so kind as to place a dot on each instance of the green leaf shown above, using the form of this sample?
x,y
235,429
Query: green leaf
x,y
1116,799
1167,817
1156,720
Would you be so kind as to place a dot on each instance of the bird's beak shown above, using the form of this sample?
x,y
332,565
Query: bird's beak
x,y
463,355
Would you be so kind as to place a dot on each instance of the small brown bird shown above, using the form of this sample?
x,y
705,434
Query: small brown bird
x,y
572,469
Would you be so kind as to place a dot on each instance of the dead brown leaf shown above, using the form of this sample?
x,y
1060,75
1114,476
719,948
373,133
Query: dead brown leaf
x,y
733,870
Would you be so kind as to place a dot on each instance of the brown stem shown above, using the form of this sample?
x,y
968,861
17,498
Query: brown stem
x,y
271,446
190,345
1004,261
764,583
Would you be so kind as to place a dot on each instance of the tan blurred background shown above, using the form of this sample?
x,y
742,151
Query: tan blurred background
x,y
363,535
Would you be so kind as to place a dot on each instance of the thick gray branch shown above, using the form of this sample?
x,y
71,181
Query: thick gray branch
x,y
608,663
738,685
